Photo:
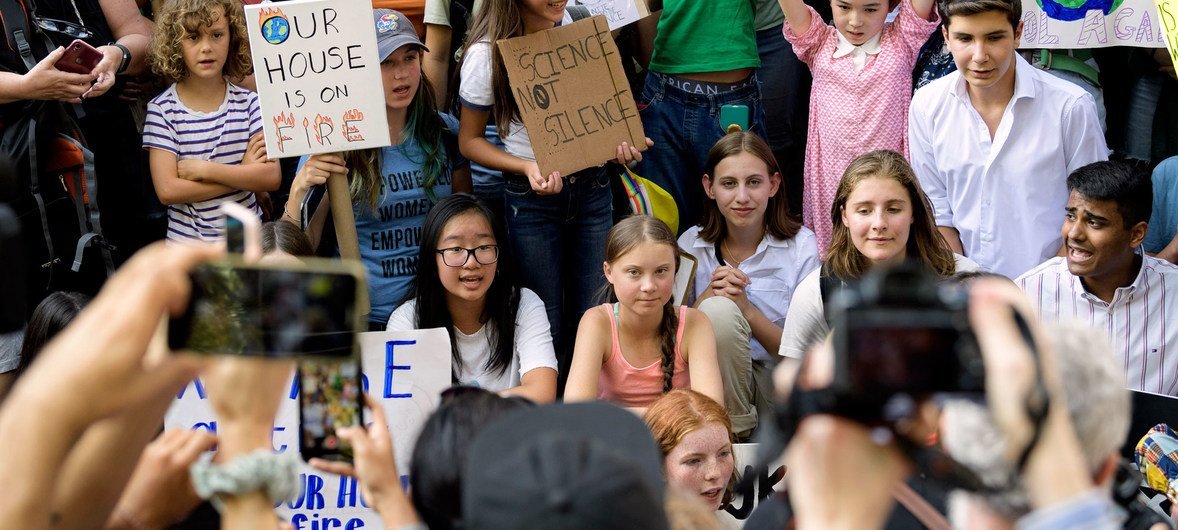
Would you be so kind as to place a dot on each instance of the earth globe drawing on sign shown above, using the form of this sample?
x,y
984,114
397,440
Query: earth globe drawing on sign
x,y
1068,10
276,29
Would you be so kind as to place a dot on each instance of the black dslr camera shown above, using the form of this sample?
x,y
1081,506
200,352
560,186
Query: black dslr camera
x,y
901,334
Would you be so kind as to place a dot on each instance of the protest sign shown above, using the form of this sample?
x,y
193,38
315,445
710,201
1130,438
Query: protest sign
x,y
572,94
318,76
1092,23
749,493
405,371
1168,14
617,12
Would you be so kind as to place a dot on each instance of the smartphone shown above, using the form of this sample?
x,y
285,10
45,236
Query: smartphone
x,y
330,397
79,58
284,310
734,115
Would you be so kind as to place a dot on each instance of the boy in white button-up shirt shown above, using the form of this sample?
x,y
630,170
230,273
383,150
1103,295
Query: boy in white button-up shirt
x,y
993,142
1104,282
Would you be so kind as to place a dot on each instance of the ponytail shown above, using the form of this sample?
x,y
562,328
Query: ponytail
x,y
669,329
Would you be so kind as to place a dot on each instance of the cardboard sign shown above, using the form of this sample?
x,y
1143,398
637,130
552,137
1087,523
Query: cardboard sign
x,y
573,95
405,371
618,12
1093,23
1168,15
318,76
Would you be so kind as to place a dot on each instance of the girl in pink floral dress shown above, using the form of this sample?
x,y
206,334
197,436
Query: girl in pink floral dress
x,y
862,70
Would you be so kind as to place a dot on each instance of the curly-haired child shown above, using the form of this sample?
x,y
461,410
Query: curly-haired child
x,y
203,133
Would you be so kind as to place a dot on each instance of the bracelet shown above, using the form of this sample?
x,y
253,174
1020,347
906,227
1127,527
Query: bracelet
x,y
275,474
287,215
126,57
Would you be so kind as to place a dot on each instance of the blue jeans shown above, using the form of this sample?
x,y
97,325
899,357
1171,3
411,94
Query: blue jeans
x,y
684,127
558,244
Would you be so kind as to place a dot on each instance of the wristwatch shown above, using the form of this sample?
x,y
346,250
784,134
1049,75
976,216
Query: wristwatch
x,y
126,57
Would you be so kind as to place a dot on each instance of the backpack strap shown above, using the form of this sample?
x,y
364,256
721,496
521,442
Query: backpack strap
x,y
89,223
827,286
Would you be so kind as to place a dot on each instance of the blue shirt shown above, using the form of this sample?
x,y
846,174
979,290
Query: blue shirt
x,y
389,236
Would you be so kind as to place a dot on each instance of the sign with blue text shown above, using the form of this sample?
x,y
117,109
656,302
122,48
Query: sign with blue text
x,y
406,371
1092,24
318,75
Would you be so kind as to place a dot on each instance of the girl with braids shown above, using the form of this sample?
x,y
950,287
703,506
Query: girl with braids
x,y
641,346
499,337
393,187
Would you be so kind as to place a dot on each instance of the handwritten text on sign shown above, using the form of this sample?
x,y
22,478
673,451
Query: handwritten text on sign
x,y
318,76
618,12
1091,24
1168,14
405,371
572,94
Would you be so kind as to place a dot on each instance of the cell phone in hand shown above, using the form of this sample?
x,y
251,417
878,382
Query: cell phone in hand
x,y
276,310
330,397
79,58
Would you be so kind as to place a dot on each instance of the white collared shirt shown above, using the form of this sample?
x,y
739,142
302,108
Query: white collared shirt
x,y
858,53
775,269
1005,196
1141,321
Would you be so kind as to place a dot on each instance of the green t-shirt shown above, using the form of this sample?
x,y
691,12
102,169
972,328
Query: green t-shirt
x,y
768,15
705,36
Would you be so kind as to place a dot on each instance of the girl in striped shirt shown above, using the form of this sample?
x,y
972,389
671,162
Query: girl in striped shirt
x,y
204,133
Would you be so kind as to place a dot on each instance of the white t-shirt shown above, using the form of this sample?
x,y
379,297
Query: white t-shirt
x,y
807,318
533,344
774,269
477,93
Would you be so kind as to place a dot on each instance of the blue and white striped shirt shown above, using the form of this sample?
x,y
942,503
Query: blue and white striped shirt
x,y
219,136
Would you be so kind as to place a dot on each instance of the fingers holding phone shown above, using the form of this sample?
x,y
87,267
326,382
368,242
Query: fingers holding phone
x,y
46,82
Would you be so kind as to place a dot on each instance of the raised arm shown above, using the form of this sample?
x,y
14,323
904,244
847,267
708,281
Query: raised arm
x,y
923,8
797,15
699,350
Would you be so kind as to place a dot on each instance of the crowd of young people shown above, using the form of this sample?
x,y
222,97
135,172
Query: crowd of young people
x,y
997,166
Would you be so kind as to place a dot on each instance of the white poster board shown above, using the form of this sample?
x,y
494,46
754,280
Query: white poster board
x,y
618,12
1091,24
405,371
318,76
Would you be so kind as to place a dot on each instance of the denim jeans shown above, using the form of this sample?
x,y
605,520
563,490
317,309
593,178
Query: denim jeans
x,y
785,94
684,127
1143,104
558,244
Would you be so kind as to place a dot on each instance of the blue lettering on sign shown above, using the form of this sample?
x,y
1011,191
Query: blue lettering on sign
x,y
294,387
281,448
311,497
313,522
391,366
200,389
348,489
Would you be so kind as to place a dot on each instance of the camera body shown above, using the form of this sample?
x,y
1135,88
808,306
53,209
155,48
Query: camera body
x,y
901,332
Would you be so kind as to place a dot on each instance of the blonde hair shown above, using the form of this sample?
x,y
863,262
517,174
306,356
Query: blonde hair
x,y
924,244
180,18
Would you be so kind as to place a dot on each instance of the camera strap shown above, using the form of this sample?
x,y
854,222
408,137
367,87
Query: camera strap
x,y
1038,400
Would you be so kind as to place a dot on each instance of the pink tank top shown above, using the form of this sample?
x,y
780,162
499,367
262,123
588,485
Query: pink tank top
x,y
622,384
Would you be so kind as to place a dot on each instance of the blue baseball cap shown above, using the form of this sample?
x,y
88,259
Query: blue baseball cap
x,y
393,30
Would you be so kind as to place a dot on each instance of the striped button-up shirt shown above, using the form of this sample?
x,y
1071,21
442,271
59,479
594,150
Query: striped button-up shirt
x,y
1141,320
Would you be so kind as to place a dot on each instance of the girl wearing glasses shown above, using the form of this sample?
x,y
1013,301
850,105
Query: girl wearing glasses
x,y
499,335
392,188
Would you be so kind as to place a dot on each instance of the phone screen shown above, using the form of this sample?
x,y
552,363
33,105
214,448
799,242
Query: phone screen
x,y
330,397
234,235
237,309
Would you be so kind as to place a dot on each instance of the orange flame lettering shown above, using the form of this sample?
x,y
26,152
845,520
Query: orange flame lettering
x,y
351,132
283,121
320,134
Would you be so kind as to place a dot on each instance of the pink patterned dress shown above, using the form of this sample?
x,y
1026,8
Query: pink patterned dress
x,y
854,111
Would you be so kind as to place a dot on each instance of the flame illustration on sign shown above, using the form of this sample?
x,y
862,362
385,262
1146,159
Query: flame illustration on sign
x,y
351,132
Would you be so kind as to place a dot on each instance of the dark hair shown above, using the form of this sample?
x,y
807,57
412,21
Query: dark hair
x,y
285,236
502,300
1013,9
624,237
51,316
1119,182
778,221
435,476
925,244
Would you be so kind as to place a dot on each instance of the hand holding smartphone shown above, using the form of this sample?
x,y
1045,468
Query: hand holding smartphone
x,y
79,58
330,397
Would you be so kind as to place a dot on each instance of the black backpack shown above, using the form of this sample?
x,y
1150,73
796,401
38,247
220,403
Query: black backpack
x,y
56,188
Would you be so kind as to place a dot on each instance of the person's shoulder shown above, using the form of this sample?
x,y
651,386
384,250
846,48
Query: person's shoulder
x,y
964,264
804,239
167,98
1168,270
529,299
404,318
448,120
1050,87
596,320
936,93
688,240
1051,266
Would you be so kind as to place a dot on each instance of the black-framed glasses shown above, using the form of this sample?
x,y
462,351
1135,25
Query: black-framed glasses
x,y
63,27
457,256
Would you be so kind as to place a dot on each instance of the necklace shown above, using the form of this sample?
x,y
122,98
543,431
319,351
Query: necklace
x,y
731,255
